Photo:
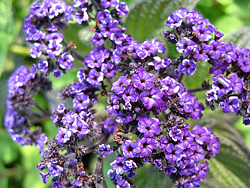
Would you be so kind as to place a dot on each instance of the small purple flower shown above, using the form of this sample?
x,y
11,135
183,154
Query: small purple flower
x,y
109,69
57,73
229,53
173,153
163,142
104,16
118,165
174,20
203,32
151,98
113,105
211,95
236,83
82,16
176,134
95,77
143,80
122,184
122,9
79,127
36,50
219,67
130,148
230,105
109,3
41,140
58,37
120,85
65,60
244,63
44,177
147,145
130,95
201,134
80,102
186,46
117,36
214,145
170,86
105,150
97,39
149,126
63,135
188,67
43,66
53,49
109,125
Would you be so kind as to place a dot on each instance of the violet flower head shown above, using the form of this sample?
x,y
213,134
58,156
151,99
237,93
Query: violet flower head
x,y
174,20
36,50
131,149
188,67
63,135
147,145
65,60
143,80
122,9
79,127
149,126
105,150
109,125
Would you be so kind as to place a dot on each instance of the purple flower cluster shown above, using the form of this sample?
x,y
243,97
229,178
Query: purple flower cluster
x,y
145,95
199,40
22,85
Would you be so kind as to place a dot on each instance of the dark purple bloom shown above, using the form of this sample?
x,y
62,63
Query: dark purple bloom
x,y
203,32
122,9
173,153
149,126
41,140
80,3
174,20
229,53
117,36
170,86
122,184
118,165
105,150
163,142
201,54
109,3
104,16
110,125
36,50
211,95
151,98
236,83
143,80
219,67
65,60
54,169
217,49
53,49
230,105
113,105
176,134
82,16
170,170
79,127
244,63
44,177
198,152
214,145
197,108
109,69
186,46
80,102
58,37
130,148
63,135
130,95
188,67
95,78
147,145
97,39
57,73
201,134
120,85
42,66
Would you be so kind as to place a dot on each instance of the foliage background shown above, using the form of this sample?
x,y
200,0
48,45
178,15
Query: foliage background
x,y
147,19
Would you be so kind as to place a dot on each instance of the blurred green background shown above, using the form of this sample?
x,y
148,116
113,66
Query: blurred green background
x,y
147,20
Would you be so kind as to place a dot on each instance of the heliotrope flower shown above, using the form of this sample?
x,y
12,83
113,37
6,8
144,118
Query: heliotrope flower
x,y
63,135
188,67
149,126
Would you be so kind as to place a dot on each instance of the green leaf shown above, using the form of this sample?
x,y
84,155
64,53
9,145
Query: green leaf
x,y
147,18
148,176
6,30
240,37
231,166
195,81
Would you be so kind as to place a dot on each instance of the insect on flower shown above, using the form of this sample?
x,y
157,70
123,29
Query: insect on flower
x,y
223,82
